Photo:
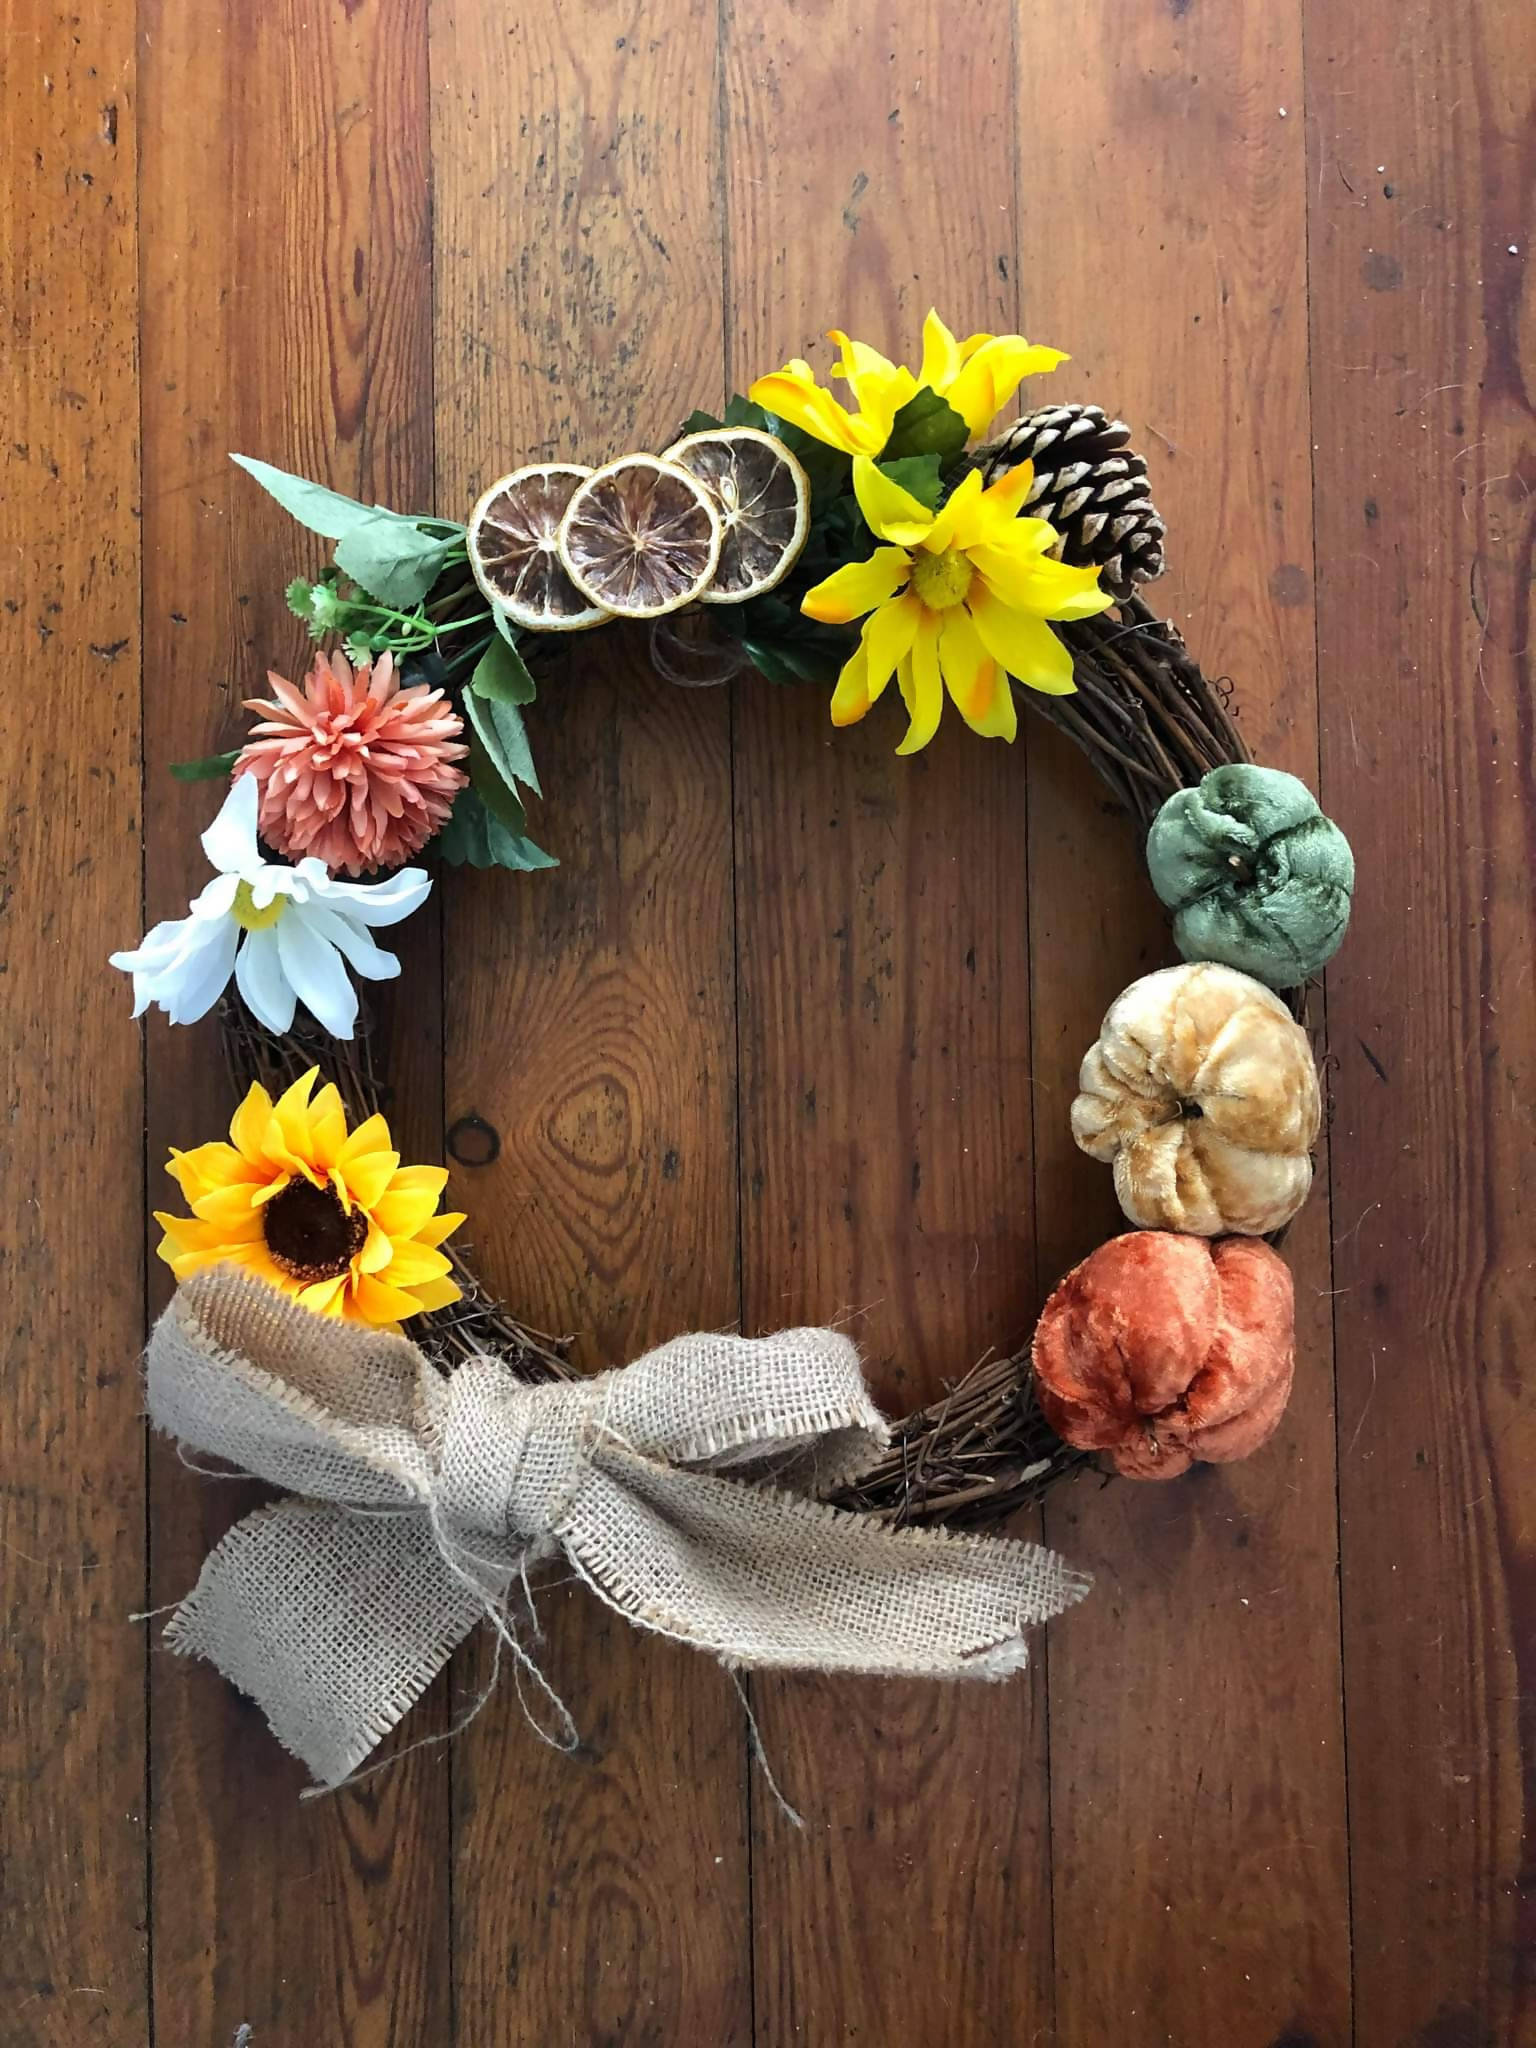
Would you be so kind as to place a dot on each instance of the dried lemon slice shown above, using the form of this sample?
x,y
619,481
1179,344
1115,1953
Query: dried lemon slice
x,y
763,497
640,537
511,544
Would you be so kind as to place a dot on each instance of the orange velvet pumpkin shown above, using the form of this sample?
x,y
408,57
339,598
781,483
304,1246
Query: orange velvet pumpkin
x,y
1161,1350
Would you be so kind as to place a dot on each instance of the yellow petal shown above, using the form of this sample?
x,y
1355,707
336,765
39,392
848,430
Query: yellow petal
x,y
922,686
292,1106
850,700
941,355
405,1211
372,1301
437,1294
364,1179
993,373
954,514
228,1209
1056,591
420,1179
249,1123
255,1258
185,1234
887,639
185,1264
889,511
1029,583
1024,645
850,592
974,680
371,1135
879,385
1001,504
413,1265
807,405
378,1249
437,1228
214,1165
328,1126
321,1294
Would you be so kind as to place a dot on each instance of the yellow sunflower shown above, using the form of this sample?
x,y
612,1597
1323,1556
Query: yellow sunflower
x,y
976,376
330,1217
958,600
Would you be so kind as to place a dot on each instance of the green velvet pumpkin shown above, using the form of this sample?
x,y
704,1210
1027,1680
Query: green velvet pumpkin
x,y
1256,877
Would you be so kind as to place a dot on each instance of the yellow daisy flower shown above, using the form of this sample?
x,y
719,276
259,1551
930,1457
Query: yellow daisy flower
x,y
957,600
329,1217
977,376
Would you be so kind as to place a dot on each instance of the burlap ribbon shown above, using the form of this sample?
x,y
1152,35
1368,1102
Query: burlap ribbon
x,y
420,1497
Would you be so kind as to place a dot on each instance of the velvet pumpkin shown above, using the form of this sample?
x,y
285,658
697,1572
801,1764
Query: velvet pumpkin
x,y
1161,1350
1202,1093
1255,875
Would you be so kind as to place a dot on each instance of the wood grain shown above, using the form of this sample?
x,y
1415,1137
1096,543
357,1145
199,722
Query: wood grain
x,y
287,314
601,1897
73,1878
884,1018
1197,1793
914,955
1421,194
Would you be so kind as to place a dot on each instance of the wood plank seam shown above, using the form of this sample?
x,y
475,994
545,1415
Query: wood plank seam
x,y
1312,124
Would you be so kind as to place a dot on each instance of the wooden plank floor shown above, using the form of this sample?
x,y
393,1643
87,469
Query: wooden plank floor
x,y
792,1031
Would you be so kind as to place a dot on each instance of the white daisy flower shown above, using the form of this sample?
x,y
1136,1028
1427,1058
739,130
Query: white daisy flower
x,y
284,931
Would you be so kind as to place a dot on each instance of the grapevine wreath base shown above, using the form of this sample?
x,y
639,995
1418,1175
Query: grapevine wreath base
x,y
1151,723
741,1494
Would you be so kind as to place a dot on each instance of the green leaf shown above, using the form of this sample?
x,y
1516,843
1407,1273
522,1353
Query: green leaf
x,y
742,412
927,425
321,510
499,726
474,837
491,786
786,647
501,675
206,770
393,558
700,423
917,474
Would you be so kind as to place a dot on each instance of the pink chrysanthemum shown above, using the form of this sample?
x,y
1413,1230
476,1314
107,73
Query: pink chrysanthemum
x,y
353,770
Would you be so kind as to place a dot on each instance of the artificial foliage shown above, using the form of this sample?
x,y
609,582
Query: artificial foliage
x,y
858,539
1253,872
1202,1093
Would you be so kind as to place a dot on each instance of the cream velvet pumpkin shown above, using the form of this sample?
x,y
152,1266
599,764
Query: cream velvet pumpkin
x,y
1202,1092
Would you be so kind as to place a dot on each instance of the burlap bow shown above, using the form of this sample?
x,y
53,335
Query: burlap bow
x,y
421,1496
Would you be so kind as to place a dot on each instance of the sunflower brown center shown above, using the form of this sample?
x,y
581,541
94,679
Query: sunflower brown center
x,y
309,1235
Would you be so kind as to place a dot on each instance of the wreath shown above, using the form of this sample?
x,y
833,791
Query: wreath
x,y
330,1335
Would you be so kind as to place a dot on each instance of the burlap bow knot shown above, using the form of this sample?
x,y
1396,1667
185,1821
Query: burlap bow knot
x,y
419,1497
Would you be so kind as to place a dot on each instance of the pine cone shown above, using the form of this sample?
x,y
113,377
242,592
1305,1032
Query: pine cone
x,y
1091,485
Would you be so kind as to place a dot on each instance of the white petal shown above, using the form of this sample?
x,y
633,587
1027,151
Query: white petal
x,y
377,902
218,899
158,947
315,972
182,966
193,991
268,883
230,841
259,977
353,943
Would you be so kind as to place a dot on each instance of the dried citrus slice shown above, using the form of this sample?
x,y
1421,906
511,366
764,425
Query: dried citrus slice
x,y
511,543
640,537
763,497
